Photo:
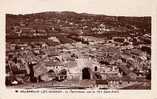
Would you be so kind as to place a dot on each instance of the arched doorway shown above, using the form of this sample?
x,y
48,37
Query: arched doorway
x,y
86,73
62,75
51,74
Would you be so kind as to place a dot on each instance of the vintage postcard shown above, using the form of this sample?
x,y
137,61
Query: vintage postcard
x,y
78,49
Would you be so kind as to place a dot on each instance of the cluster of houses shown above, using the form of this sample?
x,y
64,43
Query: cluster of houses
x,y
108,65
76,49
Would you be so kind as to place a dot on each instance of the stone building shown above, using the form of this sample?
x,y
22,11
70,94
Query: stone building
x,y
85,69
79,69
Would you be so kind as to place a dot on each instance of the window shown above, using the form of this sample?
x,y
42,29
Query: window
x,y
95,69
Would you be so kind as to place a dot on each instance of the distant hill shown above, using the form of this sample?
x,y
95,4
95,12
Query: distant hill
x,y
72,22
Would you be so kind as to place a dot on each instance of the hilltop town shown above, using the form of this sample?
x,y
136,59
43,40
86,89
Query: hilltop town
x,y
78,50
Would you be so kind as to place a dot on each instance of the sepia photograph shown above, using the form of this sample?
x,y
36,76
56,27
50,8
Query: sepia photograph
x,y
70,50
96,49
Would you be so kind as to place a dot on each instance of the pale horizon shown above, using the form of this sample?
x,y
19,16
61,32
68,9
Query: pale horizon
x,y
81,13
105,7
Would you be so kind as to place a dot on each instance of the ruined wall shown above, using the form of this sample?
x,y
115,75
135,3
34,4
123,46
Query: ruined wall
x,y
82,63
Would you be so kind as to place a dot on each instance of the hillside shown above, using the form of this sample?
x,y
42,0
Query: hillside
x,y
67,23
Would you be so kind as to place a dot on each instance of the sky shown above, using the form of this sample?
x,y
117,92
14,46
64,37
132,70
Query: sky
x,y
107,7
